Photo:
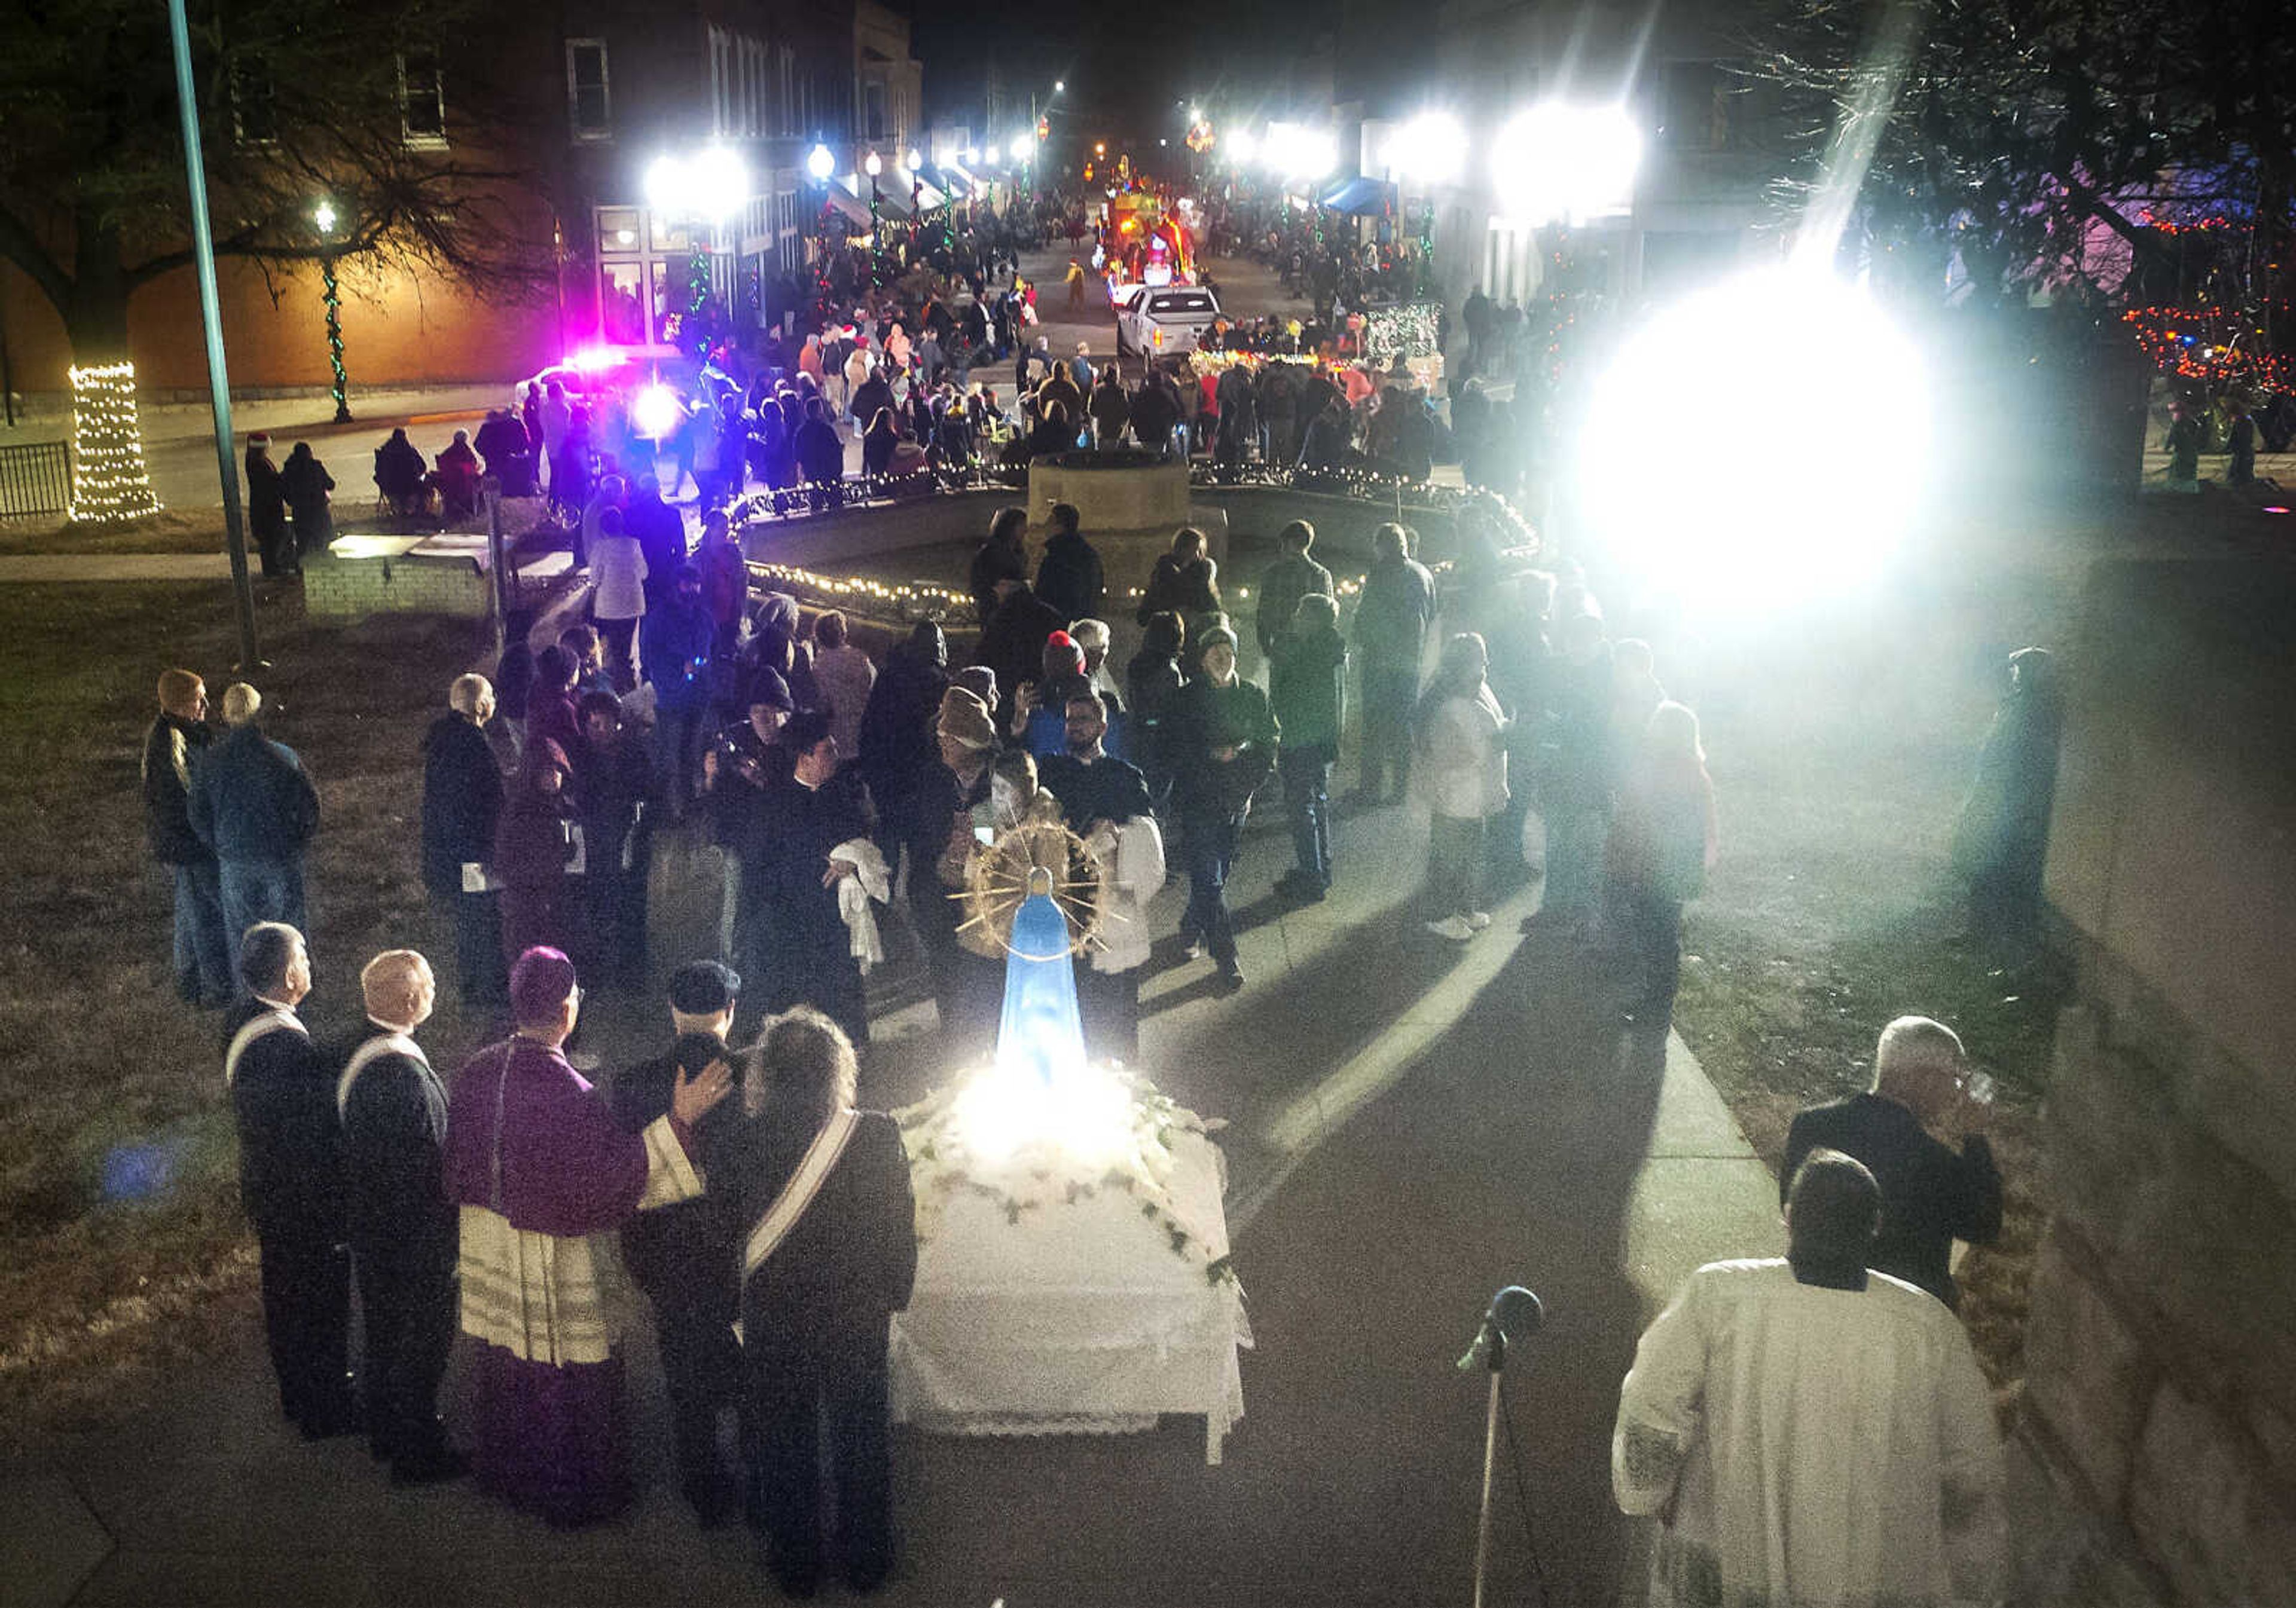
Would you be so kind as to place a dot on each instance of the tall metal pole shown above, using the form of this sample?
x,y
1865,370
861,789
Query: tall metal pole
x,y
211,319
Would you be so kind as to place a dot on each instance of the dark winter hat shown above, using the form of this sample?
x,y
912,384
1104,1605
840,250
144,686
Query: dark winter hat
x,y
1220,634
703,988
541,982
766,687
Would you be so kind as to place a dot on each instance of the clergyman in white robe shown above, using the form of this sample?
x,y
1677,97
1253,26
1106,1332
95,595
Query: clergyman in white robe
x,y
1806,1445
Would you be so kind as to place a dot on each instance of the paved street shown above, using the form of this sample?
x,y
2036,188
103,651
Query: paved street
x,y
1413,1125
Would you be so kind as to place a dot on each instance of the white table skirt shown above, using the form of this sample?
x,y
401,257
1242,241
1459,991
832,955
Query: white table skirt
x,y
1077,1318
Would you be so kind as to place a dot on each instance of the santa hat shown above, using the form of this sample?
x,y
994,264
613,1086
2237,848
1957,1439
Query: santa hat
x,y
261,439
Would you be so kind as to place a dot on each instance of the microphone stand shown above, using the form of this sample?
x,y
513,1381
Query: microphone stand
x,y
1495,1346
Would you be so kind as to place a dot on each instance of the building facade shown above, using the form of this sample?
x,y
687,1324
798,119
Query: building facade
x,y
579,104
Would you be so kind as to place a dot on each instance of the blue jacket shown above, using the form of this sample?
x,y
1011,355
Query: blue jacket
x,y
252,800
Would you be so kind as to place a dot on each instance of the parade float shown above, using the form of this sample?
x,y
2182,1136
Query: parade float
x,y
1144,240
1072,1270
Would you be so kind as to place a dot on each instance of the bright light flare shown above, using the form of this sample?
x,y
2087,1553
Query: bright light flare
x,y
1558,162
1242,147
595,359
657,413
820,163
323,215
1084,1115
1756,439
1293,151
713,183
1432,147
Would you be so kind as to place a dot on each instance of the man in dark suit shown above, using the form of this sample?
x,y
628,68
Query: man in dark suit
x,y
291,1179
405,1232
686,1256
1931,1194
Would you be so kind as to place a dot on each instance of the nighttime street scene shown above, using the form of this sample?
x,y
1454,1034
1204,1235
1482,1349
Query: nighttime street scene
x,y
1327,803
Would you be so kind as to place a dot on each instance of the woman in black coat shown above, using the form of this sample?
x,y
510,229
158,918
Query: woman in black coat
x,y
266,511
817,1312
305,483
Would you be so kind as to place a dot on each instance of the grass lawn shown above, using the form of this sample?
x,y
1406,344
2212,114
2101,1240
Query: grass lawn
x,y
119,1210
169,531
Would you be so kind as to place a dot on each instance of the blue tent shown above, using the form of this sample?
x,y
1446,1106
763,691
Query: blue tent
x,y
1360,197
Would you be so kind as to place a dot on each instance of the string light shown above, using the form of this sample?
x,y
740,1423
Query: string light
x,y
111,482
924,601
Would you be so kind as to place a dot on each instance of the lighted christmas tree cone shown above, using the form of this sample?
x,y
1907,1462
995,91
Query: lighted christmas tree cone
x,y
111,482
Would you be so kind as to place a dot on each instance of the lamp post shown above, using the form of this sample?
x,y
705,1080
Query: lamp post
x,y
874,165
323,215
819,164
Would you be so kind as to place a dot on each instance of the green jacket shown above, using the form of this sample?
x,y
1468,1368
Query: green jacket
x,y
1306,685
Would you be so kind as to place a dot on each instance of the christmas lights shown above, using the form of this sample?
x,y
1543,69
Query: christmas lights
x,y
111,482
1409,331
1506,530
2212,344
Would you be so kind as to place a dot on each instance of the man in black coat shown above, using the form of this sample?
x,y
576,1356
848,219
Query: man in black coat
x,y
799,950
290,1181
1070,578
1012,641
1156,413
618,836
686,1256
461,800
870,397
178,736
1003,553
1930,1194
404,1229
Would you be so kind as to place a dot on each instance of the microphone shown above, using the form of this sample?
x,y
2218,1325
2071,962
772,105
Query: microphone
x,y
1514,1314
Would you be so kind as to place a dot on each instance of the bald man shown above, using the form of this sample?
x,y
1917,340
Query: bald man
x,y
1932,1194
290,1181
252,805
393,1112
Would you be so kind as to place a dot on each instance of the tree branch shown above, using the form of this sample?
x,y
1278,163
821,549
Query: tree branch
x,y
22,248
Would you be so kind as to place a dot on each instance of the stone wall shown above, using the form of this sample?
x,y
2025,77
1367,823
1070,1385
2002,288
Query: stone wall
x,y
356,587
2155,1461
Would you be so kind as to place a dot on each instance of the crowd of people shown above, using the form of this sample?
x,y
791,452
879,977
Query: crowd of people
x,y
831,783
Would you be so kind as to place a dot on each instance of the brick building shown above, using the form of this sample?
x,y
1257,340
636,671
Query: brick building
x,y
583,99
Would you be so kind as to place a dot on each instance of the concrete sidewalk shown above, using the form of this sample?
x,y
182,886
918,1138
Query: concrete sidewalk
x,y
1414,1125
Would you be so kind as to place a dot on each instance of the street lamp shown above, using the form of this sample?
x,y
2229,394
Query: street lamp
x,y
1559,163
820,163
916,160
325,216
1059,85
874,165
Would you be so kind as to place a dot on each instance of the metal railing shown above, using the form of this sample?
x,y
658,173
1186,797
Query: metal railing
x,y
35,478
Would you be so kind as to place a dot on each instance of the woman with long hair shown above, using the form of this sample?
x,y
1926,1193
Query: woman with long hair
x,y
830,1255
877,442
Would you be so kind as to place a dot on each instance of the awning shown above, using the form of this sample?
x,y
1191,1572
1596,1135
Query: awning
x,y
852,210
1360,197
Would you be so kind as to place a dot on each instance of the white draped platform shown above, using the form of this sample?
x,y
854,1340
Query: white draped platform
x,y
1079,1317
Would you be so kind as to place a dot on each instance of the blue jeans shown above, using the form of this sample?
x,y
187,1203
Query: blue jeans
x,y
261,890
203,956
1308,794
1209,848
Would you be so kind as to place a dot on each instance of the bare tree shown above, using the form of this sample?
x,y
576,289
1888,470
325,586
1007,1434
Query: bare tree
x,y
383,111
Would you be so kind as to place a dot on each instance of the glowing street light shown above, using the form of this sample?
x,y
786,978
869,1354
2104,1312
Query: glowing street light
x,y
1059,85
713,183
1293,151
1721,525
323,215
1100,148
821,163
873,166
1241,146
1561,163
1431,148
916,160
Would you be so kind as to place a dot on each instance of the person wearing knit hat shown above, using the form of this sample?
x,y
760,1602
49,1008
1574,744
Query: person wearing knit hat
x,y
540,1170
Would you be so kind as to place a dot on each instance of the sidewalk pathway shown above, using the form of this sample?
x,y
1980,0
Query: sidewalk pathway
x,y
47,569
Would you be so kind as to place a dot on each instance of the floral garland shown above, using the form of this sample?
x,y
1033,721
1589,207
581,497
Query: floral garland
x,y
1039,1176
